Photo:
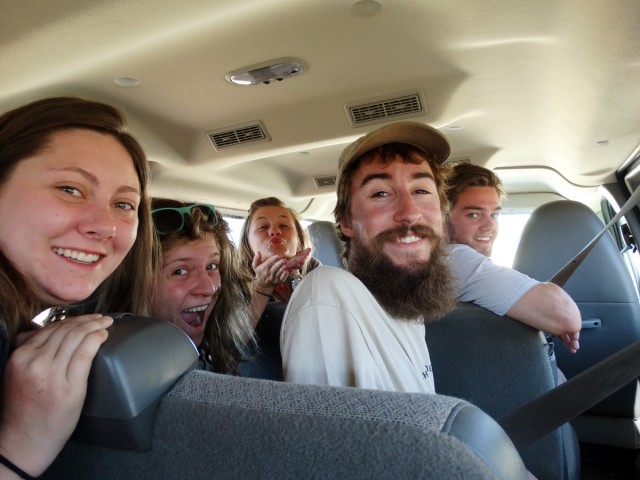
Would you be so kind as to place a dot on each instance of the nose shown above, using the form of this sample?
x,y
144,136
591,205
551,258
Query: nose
x,y
204,285
488,223
274,230
98,222
407,210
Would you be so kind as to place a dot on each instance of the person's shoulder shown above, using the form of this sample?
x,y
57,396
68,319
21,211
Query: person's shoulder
x,y
461,249
326,282
324,272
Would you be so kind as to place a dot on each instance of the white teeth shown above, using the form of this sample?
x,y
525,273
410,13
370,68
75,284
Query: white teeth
x,y
77,256
199,318
201,308
410,239
483,239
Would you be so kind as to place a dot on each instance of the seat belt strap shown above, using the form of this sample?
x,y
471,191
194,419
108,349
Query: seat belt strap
x,y
573,397
565,272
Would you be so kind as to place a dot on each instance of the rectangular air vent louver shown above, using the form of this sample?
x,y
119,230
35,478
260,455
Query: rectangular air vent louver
x,y
379,110
326,181
238,135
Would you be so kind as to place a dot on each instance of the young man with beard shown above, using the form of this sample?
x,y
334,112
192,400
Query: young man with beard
x,y
365,327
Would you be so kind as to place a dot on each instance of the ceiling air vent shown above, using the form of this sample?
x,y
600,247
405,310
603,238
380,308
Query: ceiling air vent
x,y
238,135
381,109
326,181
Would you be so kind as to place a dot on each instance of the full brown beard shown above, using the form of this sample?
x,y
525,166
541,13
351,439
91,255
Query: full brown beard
x,y
420,292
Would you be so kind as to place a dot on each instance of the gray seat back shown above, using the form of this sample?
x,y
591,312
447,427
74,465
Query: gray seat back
x,y
500,364
217,426
326,246
605,293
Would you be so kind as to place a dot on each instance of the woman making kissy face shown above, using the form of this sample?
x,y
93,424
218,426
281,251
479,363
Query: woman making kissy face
x,y
75,223
276,248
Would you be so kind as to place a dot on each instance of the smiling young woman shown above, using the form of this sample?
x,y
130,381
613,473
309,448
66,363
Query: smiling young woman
x,y
73,191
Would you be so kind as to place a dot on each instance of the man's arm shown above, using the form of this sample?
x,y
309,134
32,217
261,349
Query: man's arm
x,y
549,308
505,291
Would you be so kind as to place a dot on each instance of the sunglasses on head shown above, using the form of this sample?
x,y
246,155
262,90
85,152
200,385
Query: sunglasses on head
x,y
171,219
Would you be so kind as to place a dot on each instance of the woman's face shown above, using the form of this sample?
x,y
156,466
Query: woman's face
x,y
273,232
188,285
69,215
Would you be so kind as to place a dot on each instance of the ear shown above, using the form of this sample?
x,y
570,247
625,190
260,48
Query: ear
x,y
345,227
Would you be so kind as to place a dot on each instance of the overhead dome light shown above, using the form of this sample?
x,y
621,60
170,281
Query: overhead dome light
x,y
366,8
265,73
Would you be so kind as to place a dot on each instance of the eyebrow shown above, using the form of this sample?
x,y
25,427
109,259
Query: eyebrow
x,y
215,256
386,176
473,207
94,180
264,217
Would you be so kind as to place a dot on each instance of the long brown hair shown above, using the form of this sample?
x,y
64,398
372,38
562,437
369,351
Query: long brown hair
x,y
228,329
26,131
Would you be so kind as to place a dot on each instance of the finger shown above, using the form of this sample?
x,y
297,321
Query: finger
x,y
571,343
574,338
294,263
268,266
23,337
257,260
81,360
298,259
53,333
82,334
275,272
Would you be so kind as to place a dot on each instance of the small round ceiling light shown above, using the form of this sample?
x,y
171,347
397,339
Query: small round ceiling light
x,y
366,8
127,82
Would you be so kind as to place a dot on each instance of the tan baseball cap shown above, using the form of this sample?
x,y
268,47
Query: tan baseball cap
x,y
422,136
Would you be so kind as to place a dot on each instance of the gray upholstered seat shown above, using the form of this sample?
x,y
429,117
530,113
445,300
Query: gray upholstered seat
x,y
325,243
608,301
217,426
500,364
491,361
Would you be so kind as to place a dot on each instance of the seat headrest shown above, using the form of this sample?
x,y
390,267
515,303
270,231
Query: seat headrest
x,y
554,234
140,361
326,246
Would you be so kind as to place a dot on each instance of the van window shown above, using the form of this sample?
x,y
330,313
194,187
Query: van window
x,y
505,246
235,225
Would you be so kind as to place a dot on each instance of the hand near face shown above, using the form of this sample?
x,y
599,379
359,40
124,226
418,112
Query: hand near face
x,y
44,387
296,262
276,269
